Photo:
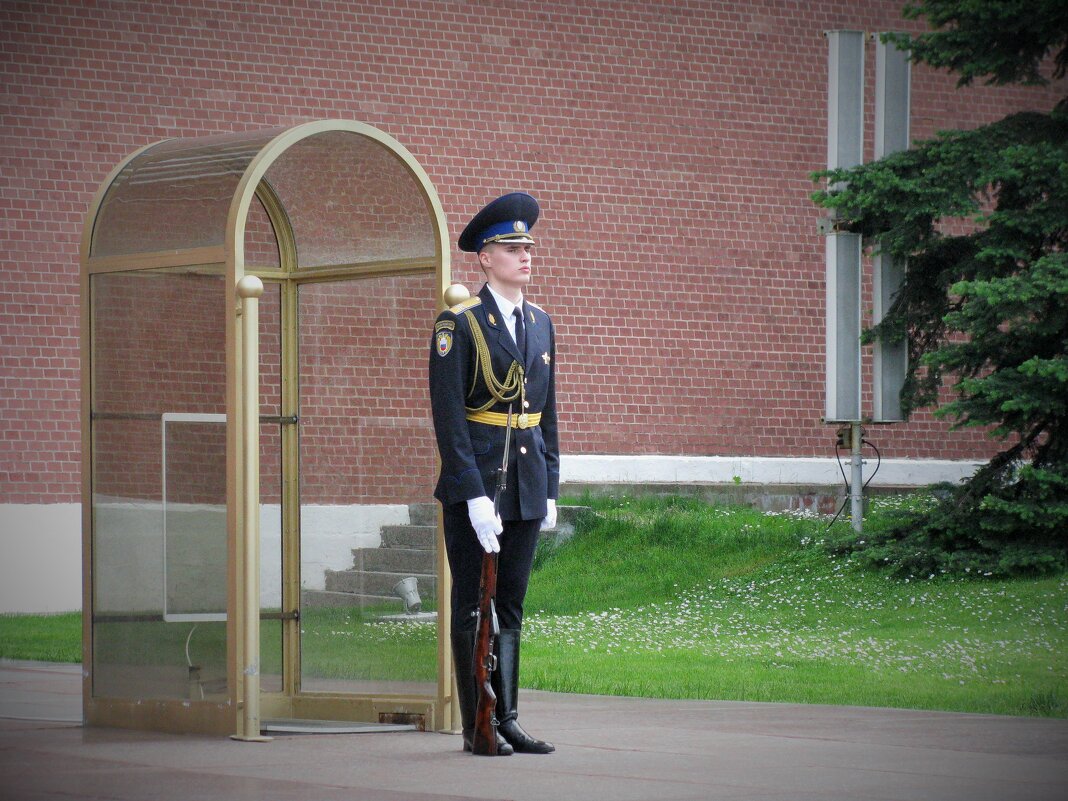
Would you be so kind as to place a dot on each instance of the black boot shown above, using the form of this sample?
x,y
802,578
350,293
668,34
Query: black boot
x,y
463,652
506,685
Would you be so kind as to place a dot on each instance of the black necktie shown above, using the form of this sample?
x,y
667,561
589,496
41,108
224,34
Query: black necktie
x,y
520,332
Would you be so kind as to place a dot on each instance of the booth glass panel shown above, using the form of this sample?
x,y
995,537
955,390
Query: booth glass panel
x,y
352,201
368,467
271,554
261,247
158,439
194,518
175,195
270,557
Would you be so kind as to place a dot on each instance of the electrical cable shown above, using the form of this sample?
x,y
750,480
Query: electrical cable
x,y
878,463
189,661
838,456
845,478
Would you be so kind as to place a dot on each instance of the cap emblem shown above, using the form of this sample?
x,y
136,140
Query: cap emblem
x,y
520,226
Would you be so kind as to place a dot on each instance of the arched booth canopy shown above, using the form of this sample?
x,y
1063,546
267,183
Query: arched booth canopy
x,y
261,546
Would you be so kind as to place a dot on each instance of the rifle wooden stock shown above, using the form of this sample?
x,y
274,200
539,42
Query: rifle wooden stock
x,y
484,737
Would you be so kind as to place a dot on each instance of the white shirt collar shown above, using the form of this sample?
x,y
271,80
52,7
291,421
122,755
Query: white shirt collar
x,y
506,306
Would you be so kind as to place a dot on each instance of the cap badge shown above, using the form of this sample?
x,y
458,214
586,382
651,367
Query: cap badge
x,y
444,342
520,226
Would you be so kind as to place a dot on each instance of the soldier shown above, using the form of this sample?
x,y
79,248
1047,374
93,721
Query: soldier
x,y
493,352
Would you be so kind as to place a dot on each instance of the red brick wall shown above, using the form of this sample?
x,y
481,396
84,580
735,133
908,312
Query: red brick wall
x,y
670,144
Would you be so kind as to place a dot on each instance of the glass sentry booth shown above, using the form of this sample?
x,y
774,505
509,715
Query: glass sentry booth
x,y
261,545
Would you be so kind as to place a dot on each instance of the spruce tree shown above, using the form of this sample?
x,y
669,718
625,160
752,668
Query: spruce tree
x,y
981,219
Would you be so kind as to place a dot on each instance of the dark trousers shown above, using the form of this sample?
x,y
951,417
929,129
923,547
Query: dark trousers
x,y
518,542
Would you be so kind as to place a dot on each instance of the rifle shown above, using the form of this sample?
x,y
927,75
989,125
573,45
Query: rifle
x,y
484,737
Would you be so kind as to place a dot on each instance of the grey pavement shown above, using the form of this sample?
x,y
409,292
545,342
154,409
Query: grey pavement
x,y
625,749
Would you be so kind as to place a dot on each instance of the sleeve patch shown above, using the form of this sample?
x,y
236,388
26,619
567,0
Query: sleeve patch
x,y
443,340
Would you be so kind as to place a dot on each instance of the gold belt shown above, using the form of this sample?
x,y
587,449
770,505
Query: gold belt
x,y
501,419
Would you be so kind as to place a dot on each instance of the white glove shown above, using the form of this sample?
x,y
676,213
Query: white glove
x,y
549,521
486,524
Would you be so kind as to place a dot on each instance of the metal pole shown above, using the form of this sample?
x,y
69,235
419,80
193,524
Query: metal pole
x,y
856,478
249,289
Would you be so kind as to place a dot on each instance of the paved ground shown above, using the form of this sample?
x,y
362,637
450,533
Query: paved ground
x,y
623,749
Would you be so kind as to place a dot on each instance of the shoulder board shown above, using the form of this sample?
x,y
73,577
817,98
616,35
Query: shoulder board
x,y
470,303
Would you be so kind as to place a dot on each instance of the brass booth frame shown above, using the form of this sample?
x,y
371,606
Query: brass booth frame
x,y
239,713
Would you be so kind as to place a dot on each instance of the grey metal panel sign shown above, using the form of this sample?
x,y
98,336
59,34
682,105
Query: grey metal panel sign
x,y
845,99
890,360
892,86
845,148
843,328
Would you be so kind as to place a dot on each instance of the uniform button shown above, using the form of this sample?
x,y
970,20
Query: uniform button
x,y
523,449
526,404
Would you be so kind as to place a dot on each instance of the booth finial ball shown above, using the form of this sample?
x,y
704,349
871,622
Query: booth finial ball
x,y
249,286
456,293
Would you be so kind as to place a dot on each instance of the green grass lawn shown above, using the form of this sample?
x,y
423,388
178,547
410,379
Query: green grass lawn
x,y
676,599
42,638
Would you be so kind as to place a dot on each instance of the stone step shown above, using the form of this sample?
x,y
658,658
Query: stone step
x,y
363,582
394,560
424,535
423,514
571,513
410,536
327,598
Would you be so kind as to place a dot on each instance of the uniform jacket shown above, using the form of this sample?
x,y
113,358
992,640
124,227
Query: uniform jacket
x,y
471,452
